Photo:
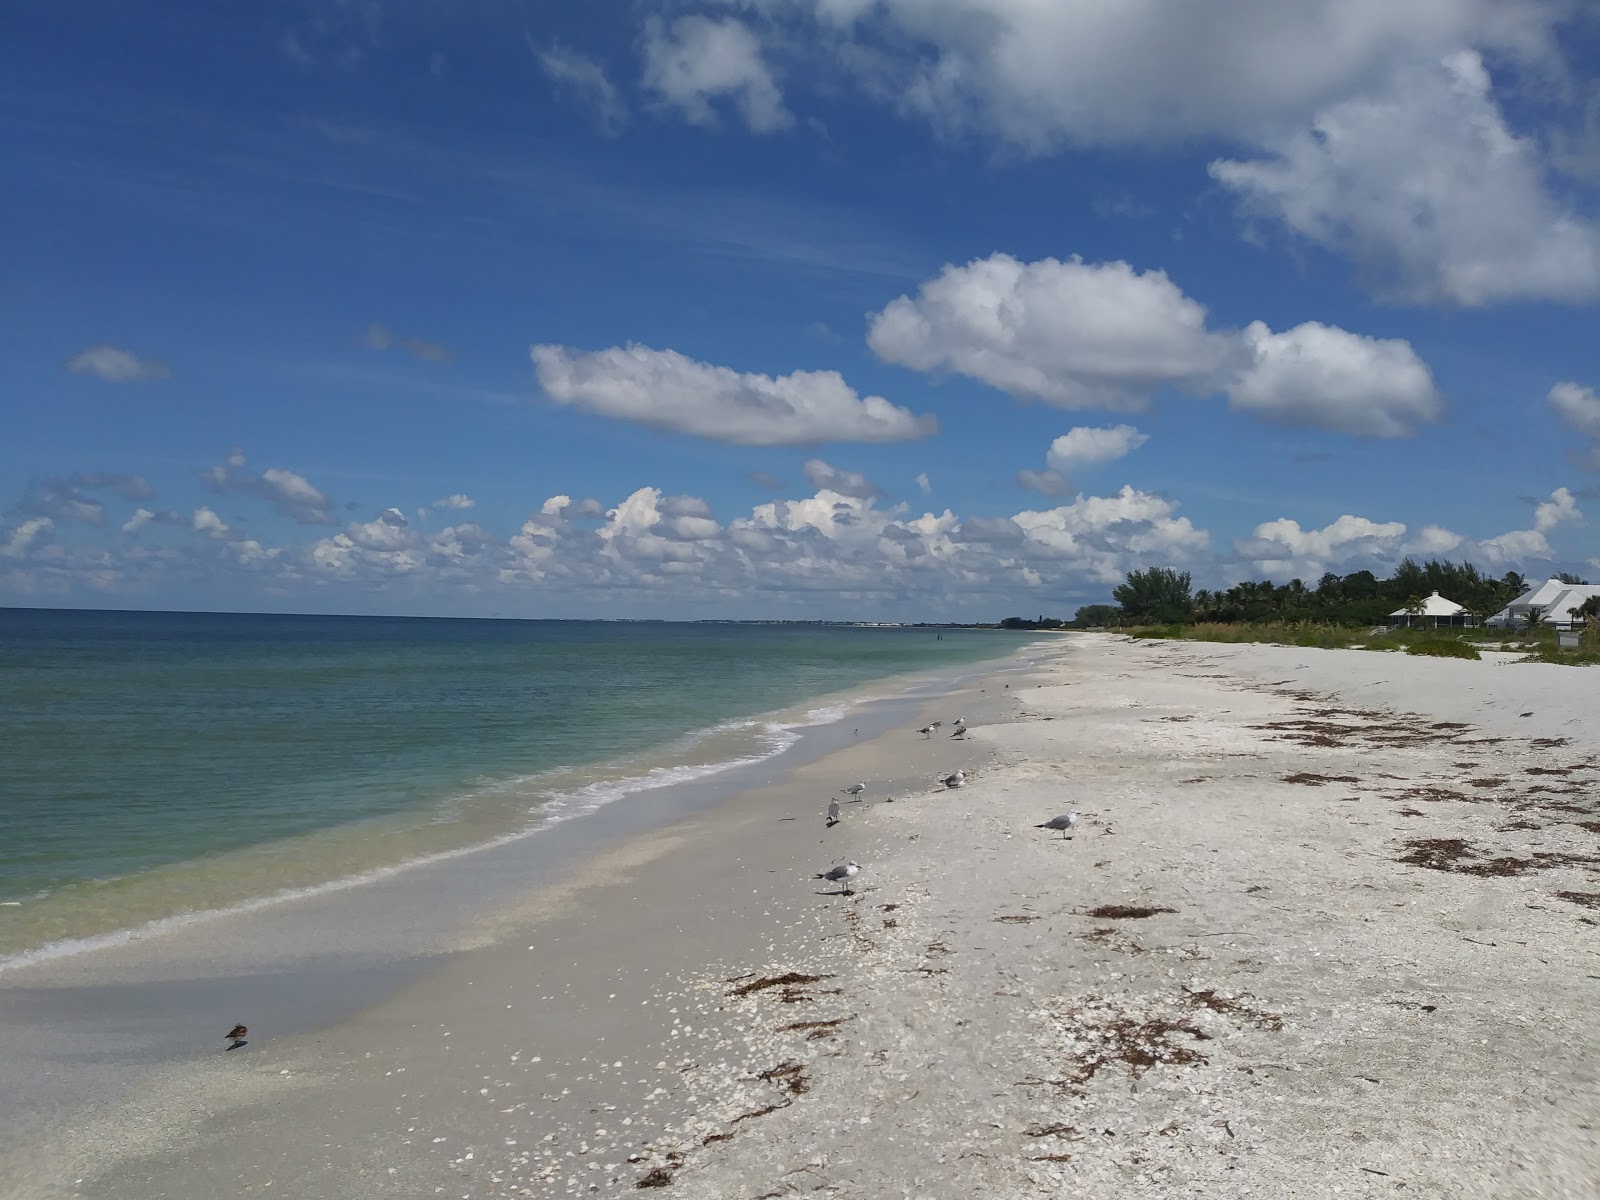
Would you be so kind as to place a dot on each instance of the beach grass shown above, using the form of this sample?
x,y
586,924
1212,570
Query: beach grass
x,y
1444,648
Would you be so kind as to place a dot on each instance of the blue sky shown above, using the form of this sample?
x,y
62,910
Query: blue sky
x,y
835,308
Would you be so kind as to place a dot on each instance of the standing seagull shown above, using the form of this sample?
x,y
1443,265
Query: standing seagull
x,y
841,875
959,779
926,731
236,1036
960,731
855,789
1070,821
833,812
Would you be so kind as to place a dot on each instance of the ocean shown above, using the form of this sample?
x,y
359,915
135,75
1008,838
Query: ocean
x,y
157,764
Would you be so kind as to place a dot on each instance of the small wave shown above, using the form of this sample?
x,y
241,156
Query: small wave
x,y
774,738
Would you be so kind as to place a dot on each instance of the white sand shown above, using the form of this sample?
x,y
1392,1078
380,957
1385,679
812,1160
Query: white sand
x,y
1312,1018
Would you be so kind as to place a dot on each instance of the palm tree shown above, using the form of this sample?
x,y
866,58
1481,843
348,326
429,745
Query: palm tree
x,y
1414,608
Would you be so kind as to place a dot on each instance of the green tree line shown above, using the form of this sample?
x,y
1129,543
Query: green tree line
x,y
1161,595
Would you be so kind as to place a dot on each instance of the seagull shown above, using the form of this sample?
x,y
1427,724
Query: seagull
x,y
1064,823
236,1036
855,789
934,724
841,875
959,779
960,731
833,812
927,730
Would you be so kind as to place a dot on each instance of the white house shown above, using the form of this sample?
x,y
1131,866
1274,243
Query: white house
x,y
1436,611
1552,598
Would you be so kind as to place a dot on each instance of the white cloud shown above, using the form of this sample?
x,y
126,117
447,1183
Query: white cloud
x,y
1427,189
1283,541
459,502
695,60
116,365
1075,335
923,484
847,483
292,494
1321,376
207,522
1579,410
140,518
25,536
1561,507
586,79
1042,73
1086,446
666,390
1283,548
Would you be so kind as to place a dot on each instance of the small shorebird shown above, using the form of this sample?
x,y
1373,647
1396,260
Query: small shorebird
x,y
959,779
235,1036
1063,823
833,812
934,724
855,789
960,731
841,875
927,730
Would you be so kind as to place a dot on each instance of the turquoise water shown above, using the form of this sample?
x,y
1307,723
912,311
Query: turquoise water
x,y
158,762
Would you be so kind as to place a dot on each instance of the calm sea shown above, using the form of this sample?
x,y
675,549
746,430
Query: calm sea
x,y
153,764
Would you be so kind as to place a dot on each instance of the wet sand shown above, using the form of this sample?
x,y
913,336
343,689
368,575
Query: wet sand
x,y
1327,926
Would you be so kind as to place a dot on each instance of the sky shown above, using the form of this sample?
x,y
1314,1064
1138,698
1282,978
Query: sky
x,y
838,309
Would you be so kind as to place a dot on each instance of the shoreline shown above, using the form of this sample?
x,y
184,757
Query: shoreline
x,y
308,961
339,858
1240,972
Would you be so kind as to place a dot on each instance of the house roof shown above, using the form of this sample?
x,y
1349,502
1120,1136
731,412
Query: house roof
x,y
1434,606
1552,597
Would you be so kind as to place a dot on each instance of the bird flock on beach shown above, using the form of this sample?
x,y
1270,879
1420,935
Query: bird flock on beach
x,y
845,873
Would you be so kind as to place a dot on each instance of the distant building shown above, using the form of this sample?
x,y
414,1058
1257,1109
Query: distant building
x,y
1436,611
1552,598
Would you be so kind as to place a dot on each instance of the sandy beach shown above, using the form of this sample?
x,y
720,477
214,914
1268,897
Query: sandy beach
x,y
1329,924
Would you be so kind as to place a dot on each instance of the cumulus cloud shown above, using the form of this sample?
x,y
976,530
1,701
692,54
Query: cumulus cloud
x,y
379,337
1086,446
1561,507
585,80
206,521
1079,335
1579,410
847,483
923,484
460,501
292,494
1429,191
694,60
1346,538
1040,74
1319,375
1073,334
1284,549
663,389
116,365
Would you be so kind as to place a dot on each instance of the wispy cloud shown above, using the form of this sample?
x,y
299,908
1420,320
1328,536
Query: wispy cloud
x,y
584,79
116,365
377,337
